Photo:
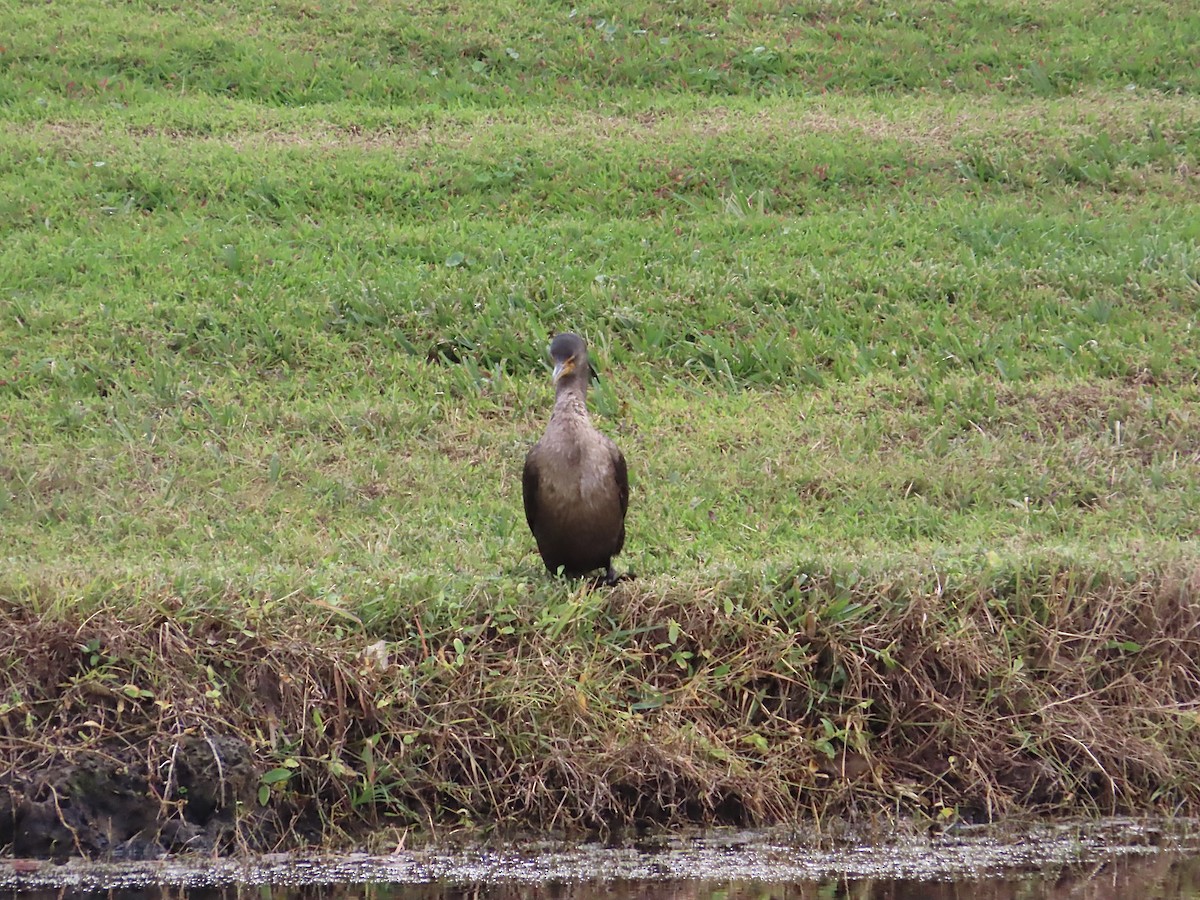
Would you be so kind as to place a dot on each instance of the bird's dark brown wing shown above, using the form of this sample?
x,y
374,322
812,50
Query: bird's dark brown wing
x,y
529,487
622,477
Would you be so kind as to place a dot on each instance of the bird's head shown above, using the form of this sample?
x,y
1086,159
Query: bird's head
x,y
569,353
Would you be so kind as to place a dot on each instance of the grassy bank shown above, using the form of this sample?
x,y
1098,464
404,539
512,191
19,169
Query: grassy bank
x,y
895,310
725,701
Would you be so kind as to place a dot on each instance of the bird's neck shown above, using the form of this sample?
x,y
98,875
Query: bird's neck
x,y
570,401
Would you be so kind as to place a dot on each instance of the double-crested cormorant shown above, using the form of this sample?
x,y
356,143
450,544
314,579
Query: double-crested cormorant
x,y
575,483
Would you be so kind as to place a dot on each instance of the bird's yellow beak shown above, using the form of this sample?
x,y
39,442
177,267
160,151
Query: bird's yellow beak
x,y
566,367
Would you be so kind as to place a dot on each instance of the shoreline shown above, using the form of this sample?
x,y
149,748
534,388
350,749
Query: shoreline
x,y
721,855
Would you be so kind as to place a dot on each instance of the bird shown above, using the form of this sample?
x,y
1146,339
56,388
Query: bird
x,y
575,482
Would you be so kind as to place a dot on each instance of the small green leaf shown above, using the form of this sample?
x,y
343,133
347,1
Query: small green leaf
x,y
1126,646
757,741
651,701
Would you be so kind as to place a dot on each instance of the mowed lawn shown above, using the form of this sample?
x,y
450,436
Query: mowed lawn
x,y
888,287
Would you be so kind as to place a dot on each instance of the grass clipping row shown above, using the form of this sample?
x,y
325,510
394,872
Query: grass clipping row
x,y
795,698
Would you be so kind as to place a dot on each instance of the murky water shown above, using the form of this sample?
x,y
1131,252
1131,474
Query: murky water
x,y
1096,860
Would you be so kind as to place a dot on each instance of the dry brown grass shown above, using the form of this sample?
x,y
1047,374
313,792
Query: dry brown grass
x,y
818,696
930,131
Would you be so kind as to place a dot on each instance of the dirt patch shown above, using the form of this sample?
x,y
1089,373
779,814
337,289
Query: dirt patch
x,y
1076,411
1123,417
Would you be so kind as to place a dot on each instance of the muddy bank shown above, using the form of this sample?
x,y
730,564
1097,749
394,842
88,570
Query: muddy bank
x,y
806,700
105,805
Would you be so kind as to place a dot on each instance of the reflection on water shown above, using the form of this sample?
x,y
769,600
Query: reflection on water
x,y
1163,876
1159,877
1110,860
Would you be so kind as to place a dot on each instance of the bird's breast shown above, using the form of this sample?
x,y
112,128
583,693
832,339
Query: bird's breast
x,y
578,476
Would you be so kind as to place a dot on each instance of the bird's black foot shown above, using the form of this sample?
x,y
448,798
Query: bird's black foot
x,y
611,577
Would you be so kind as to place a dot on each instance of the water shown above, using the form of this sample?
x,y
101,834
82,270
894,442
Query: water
x,y
1100,860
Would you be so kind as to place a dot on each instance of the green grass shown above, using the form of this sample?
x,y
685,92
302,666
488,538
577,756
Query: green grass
x,y
876,289
324,359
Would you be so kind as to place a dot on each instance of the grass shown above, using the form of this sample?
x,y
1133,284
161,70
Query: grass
x,y
899,301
